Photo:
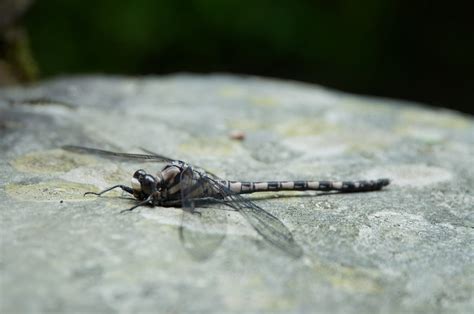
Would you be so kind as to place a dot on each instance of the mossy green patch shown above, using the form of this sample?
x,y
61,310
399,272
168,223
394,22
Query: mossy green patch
x,y
50,161
55,190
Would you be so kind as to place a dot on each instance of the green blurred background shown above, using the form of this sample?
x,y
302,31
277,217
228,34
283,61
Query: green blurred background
x,y
418,50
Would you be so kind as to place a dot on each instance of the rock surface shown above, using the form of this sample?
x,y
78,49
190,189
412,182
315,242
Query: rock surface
x,y
407,248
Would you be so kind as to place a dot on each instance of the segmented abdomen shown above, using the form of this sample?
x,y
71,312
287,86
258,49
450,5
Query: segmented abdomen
x,y
343,186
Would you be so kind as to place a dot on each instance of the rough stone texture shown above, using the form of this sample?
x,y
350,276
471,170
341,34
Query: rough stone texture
x,y
407,248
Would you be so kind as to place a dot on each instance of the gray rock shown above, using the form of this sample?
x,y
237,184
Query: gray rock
x,y
407,248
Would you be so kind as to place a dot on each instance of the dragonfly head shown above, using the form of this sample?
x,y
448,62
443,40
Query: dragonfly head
x,y
144,184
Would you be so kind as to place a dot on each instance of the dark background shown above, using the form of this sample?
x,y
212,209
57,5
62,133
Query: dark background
x,y
418,50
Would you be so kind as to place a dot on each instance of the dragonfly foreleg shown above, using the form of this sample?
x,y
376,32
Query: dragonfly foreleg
x,y
149,200
123,187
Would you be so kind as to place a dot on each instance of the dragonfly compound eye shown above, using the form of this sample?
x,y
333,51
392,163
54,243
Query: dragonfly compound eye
x,y
148,184
139,174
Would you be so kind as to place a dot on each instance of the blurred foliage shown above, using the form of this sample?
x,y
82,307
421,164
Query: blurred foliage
x,y
16,61
417,50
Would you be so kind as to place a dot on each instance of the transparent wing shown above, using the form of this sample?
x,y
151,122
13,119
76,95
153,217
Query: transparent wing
x,y
203,230
188,184
267,225
106,153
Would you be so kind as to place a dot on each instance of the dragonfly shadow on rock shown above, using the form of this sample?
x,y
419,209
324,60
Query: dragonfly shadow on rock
x,y
179,184
289,196
202,233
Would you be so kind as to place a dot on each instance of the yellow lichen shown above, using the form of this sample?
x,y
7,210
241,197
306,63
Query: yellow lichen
x,y
305,127
264,101
350,279
50,161
231,91
442,119
55,190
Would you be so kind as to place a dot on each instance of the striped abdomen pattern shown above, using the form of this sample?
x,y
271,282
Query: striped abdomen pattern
x,y
342,186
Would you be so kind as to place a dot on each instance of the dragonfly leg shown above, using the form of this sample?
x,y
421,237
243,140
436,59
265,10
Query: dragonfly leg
x,y
123,187
149,200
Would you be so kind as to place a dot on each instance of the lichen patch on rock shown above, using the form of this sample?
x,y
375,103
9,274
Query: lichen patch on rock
x,y
48,191
50,161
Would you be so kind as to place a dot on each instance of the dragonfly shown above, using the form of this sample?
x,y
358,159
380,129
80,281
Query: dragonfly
x,y
180,184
